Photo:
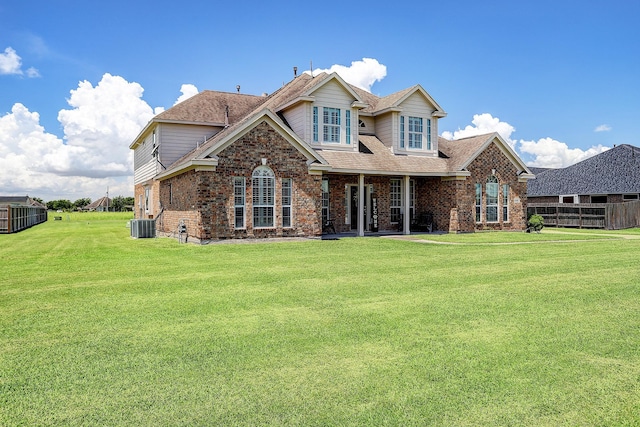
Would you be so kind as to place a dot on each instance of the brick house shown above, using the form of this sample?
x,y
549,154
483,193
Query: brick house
x,y
320,154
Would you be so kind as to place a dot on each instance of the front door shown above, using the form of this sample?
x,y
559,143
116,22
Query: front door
x,y
353,211
352,215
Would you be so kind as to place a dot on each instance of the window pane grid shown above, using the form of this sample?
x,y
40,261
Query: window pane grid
x,y
331,124
395,200
239,201
263,197
286,202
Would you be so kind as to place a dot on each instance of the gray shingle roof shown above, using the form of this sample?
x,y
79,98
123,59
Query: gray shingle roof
x,y
616,171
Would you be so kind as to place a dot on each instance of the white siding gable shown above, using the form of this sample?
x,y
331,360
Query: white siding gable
x,y
416,105
176,140
333,95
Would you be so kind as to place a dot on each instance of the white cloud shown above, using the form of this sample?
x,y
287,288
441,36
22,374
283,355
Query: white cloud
x,y
602,128
484,123
103,122
32,72
188,90
362,74
550,153
94,153
546,152
10,62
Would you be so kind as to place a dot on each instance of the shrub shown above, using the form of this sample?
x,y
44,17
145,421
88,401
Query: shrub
x,y
535,223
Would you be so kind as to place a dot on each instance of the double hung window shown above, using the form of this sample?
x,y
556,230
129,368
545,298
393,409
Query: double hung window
x,y
325,201
395,200
263,182
331,125
287,194
239,202
415,132
478,202
492,199
505,203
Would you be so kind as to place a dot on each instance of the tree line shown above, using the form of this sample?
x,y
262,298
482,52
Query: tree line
x,y
117,204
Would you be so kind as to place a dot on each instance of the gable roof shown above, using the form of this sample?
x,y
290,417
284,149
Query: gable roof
x,y
205,156
20,200
465,150
616,171
375,157
101,202
377,105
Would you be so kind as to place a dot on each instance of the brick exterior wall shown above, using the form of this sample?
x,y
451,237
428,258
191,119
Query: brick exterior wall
x,y
441,197
205,199
204,202
507,173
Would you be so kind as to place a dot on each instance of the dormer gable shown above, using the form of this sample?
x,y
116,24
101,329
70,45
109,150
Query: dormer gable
x,y
325,112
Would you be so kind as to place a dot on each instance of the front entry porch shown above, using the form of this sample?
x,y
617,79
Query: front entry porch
x,y
363,205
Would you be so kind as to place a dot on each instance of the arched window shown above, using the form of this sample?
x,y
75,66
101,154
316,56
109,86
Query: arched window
x,y
264,187
492,199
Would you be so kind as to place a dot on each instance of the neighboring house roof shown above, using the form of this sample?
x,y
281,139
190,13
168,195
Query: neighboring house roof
x,y
101,202
616,171
20,200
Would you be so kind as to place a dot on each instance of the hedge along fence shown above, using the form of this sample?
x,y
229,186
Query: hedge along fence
x,y
610,216
14,218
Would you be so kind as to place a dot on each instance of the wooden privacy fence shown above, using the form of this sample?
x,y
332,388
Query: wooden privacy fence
x,y
14,218
610,216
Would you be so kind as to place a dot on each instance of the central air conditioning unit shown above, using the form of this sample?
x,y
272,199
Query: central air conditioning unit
x,y
143,228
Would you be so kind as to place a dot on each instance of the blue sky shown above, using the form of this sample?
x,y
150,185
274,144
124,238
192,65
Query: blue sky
x,y
78,80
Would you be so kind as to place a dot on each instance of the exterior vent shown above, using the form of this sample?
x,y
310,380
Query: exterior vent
x,y
143,228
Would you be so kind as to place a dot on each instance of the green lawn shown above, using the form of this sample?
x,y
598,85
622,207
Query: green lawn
x,y
97,328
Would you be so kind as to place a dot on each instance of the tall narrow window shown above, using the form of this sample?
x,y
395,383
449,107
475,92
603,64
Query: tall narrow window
x,y
478,202
239,192
395,200
146,199
170,193
325,201
315,124
415,132
331,125
286,202
263,184
492,199
505,203
348,126
412,199
428,134
401,131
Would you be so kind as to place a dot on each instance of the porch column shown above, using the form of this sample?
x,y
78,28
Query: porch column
x,y
361,205
407,210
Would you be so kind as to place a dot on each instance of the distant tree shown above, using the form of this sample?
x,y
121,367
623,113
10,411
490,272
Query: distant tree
x,y
62,204
38,199
117,203
81,203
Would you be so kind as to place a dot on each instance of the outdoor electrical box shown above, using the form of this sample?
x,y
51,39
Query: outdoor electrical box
x,y
143,228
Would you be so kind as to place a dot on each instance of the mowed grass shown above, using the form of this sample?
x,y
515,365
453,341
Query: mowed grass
x,y
97,328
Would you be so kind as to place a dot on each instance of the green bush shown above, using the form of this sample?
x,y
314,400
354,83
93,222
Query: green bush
x,y
535,223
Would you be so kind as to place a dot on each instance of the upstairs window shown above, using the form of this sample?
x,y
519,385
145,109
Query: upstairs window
x,y
263,182
415,132
331,125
